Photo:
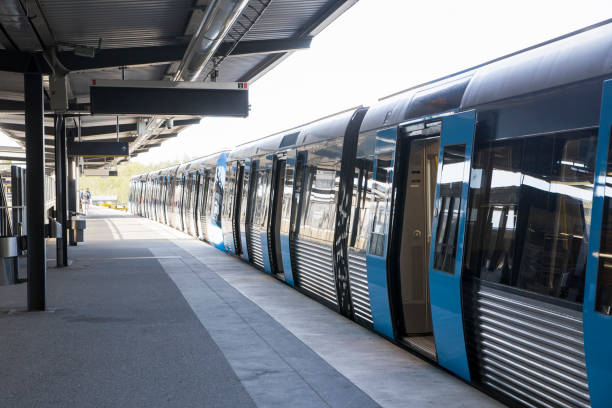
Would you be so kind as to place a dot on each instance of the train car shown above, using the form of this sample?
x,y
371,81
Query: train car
x,y
191,197
136,198
466,219
480,221
205,185
287,195
250,222
165,181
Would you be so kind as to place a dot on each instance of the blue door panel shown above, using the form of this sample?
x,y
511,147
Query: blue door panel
x,y
598,327
264,251
376,265
445,288
287,260
379,295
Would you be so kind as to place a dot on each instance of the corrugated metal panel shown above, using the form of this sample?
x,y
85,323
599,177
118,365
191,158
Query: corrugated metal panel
x,y
119,23
285,18
314,267
234,68
358,280
255,252
528,350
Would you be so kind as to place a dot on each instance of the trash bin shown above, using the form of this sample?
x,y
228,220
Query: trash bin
x,y
77,231
9,254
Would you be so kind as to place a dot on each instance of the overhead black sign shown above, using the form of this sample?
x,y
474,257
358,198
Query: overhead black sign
x,y
97,149
129,98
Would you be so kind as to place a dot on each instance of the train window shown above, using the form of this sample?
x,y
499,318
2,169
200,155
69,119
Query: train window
x,y
603,302
361,213
230,187
262,194
449,204
218,180
297,201
287,199
530,210
244,199
438,99
320,192
381,189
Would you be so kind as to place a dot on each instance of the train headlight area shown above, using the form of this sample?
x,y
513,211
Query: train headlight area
x,y
465,220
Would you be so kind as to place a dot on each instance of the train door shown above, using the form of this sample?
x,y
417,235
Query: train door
x,y
274,224
258,214
185,205
183,202
193,197
446,252
176,205
235,220
419,147
597,306
203,205
230,197
194,203
244,210
165,200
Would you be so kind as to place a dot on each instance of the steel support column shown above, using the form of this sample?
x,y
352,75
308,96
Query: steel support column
x,y
35,189
60,190
64,197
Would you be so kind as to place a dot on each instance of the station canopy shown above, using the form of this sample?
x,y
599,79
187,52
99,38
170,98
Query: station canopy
x,y
139,40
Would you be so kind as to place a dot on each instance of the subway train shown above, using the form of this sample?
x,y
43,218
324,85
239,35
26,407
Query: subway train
x,y
468,219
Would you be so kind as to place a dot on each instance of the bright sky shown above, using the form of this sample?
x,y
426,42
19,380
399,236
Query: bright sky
x,y
379,47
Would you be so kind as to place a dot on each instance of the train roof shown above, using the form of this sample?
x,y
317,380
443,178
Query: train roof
x,y
326,128
577,56
569,60
207,161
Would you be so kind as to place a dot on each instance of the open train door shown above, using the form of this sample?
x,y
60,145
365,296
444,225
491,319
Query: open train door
x,y
275,218
597,306
289,202
446,256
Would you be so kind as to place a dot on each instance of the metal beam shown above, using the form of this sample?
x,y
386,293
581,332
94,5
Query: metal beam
x,y
123,57
15,61
265,46
10,106
18,127
60,178
35,190
66,217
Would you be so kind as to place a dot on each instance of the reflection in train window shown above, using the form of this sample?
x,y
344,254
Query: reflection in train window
x,y
448,205
320,191
287,199
261,199
603,303
361,205
530,210
380,204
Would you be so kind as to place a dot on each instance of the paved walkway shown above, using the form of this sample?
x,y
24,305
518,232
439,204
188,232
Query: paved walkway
x,y
148,316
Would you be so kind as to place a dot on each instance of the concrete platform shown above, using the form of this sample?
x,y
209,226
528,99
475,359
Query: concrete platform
x,y
148,316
